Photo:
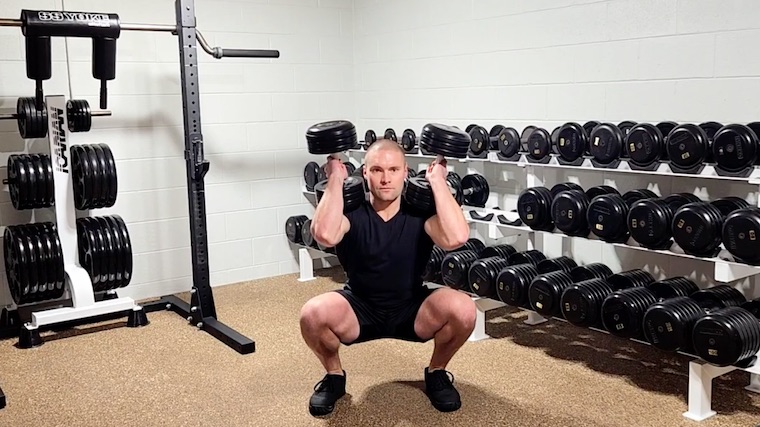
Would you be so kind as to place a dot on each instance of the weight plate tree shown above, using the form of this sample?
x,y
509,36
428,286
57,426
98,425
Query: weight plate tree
x,y
201,310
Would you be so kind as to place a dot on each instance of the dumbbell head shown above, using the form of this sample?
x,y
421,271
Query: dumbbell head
x,y
475,190
331,137
443,140
353,192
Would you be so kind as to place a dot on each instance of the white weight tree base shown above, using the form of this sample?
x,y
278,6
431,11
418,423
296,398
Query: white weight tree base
x,y
701,375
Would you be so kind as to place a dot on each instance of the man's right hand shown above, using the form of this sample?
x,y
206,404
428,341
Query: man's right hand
x,y
336,168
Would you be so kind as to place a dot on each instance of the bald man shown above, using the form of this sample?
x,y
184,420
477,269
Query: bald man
x,y
383,247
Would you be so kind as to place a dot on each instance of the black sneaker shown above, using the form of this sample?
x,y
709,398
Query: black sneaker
x,y
440,390
326,393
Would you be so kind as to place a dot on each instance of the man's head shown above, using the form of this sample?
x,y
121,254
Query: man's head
x,y
385,170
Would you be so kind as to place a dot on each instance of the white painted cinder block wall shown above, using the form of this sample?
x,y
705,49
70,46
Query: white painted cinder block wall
x,y
546,62
254,114
387,63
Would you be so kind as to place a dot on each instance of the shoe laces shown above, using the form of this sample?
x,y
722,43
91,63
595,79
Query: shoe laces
x,y
441,380
326,384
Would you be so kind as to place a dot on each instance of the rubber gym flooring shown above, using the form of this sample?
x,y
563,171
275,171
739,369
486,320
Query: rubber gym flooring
x,y
171,374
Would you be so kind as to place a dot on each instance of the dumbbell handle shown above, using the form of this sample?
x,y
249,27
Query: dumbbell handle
x,y
341,156
467,191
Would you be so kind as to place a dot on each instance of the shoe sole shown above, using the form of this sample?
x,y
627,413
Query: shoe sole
x,y
321,411
446,407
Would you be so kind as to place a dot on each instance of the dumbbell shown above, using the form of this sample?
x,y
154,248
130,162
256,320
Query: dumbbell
x,y
741,234
293,227
334,138
668,324
432,271
606,145
735,149
441,140
456,264
484,271
697,227
472,190
370,137
607,215
32,121
727,336
650,221
513,280
534,205
546,289
571,143
483,141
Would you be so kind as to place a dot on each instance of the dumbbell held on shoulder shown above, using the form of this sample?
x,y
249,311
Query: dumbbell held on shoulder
x,y
444,141
334,138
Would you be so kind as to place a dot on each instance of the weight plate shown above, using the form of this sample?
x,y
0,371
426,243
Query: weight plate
x,y
119,253
350,168
13,261
539,144
96,180
564,186
634,196
39,263
30,264
600,190
31,175
644,144
17,181
408,140
508,142
32,123
331,137
479,140
741,234
688,146
478,185
100,254
697,228
101,196
112,176
110,254
40,185
47,263
47,166
606,143
127,249
390,134
665,128
370,137
81,175
607,217
735,147
293,228
525,135
569,212
444,140
572,141
57,258
710,128
79,115
590,126
625,126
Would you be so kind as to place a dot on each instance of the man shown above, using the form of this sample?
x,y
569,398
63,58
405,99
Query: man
x,y
384,248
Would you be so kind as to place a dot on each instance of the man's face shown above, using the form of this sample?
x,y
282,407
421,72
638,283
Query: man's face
x,y
385,172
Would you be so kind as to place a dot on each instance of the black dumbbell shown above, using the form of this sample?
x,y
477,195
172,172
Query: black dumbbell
x,y
334,138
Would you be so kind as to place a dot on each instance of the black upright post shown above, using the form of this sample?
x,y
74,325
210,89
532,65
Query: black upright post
x,y
201,311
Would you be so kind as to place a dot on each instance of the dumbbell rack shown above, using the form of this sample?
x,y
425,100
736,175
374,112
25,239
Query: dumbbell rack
x,y
701,373
79,284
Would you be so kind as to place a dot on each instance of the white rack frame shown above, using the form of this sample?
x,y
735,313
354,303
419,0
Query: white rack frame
x,y
78,282
701,373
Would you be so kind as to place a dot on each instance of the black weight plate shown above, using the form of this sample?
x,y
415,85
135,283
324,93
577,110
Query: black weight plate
x,y
293,228
408,140
691,228
569,212
390,134
469,127
688,145
331,137
444,140
109,256
99,254
590,125
23,181
59,274
600,190
494,137
89,250
350,168
634,196
81,175
127,249
508,142
479,140
572,141
96,182
83,114
370,137
30,263
310,174
606,143
119,251
525,135
625,126
31,175
105,190
710,129
12,174
112,175
40,186
741,234
539,144
734,147
607,217
321,174
47,262
47,166
15,259
665,128
564,186
480,190
43,293
644,143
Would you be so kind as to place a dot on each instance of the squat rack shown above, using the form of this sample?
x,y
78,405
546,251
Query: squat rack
x,y
38,26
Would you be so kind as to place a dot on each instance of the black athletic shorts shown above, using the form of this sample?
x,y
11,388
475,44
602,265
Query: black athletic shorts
x,y
396,322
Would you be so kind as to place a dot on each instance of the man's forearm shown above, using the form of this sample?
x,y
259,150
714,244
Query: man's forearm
x,y
328,217
450,216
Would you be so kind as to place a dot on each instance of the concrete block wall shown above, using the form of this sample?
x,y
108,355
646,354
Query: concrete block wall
x,y
544,63
254,114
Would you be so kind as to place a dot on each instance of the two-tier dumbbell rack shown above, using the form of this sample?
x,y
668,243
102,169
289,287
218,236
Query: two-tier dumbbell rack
x,y
724,270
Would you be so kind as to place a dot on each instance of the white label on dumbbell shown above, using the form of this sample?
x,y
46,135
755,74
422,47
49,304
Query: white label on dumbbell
x,y
599,227
539,305
562,142
529,216
712,351
685,156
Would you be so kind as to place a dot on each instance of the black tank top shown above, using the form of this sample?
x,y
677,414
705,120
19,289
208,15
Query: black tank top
x,y
384,261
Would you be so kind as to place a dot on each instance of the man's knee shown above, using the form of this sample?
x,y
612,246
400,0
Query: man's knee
x,y
464,312
315,313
